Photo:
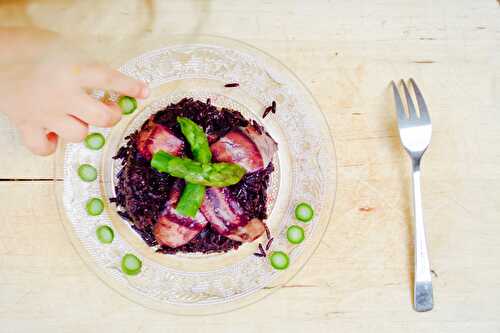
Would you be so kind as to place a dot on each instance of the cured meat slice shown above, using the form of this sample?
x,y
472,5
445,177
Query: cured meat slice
x,y
173,229
228,218
248,146
155,137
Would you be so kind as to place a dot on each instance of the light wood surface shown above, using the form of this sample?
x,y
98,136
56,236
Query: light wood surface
x,y
346,52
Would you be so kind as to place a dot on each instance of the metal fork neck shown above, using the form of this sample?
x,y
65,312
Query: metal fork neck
x,y
415,163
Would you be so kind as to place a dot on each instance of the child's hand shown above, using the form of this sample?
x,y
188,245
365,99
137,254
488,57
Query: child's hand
x,y
44,89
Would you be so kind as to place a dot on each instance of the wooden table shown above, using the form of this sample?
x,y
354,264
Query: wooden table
x,y
346,52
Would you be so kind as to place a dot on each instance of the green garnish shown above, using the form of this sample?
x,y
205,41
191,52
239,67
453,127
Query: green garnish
x,y
94,206
87,172
94,141
105,234
127,104
197,139
210,174
191,199
304,212
131,265
192,195
295,234
279,260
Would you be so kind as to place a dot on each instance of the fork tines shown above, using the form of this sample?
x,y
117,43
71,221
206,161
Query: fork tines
x,y
423,113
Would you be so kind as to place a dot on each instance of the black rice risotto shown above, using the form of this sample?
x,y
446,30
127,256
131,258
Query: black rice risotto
x,y
141,191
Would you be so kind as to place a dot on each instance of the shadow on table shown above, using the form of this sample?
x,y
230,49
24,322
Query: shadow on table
x,y
402,173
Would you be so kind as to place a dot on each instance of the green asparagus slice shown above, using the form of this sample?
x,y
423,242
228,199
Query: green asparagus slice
x,y
127,104
209,174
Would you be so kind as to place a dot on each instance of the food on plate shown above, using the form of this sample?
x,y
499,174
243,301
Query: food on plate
x,y
105,234
295,234
94,141
191,199
279,260
210,174
269,243
87,172
193,194
155,137
304,212
131,265
194,178
94,206
228,218
197,139
271,108
127,104
173,229
248,147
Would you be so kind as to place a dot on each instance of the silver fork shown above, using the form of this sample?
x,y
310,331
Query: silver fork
x,y
415,132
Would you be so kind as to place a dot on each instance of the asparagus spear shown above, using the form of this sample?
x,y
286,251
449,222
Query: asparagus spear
x,y
209,174
193,194
191,199
197,139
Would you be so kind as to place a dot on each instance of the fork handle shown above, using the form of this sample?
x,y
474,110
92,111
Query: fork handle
x,y
422,297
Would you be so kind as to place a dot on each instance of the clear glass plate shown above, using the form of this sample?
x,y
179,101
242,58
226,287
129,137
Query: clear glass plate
x,y
196,284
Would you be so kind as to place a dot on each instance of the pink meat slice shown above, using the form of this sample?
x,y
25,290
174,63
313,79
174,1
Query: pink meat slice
x,y
155,137
173,229
247,146
228,218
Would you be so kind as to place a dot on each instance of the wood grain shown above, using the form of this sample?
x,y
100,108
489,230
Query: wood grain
x,y
346,53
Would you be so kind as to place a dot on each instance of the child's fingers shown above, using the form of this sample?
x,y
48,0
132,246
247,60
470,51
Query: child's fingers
x,y
37,140
99,76
69,128
97,113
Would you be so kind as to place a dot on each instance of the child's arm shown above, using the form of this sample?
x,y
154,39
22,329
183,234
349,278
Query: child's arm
x,y
44,84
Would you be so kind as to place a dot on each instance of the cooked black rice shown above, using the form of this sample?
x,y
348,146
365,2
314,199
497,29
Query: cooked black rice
x,y
141,191
266,111
270,108
269,242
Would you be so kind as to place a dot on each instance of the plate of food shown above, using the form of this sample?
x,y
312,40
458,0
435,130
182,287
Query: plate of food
x,y
210,194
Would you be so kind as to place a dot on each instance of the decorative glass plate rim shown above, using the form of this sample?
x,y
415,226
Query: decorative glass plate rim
x,y
306,253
